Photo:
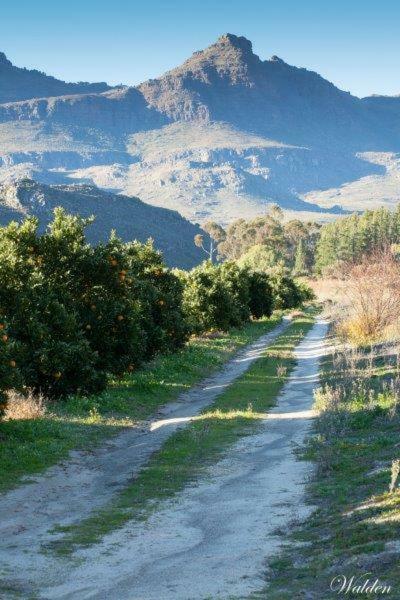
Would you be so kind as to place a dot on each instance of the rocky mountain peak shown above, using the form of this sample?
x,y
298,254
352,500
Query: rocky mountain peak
x,y
4,60
235,41
277,59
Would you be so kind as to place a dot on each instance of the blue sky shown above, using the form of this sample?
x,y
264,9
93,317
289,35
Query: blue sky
x,y
354,44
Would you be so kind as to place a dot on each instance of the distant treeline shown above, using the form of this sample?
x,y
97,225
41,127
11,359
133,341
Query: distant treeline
x,y
306,248
350,238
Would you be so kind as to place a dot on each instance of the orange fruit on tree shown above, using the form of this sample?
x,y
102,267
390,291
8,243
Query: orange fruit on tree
x,y
88,327
4,337
13,363
120,318
57,375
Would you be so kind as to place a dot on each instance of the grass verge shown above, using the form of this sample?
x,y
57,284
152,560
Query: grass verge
x,y
355,530
187,453
28,446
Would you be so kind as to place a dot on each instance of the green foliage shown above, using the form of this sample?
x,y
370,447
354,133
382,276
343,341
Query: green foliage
x,y
9,372
260,258
51,351
288,293
300,266
265,242
159,291
72,314
260,291
349,238
207,300
236,281
225,295
77,312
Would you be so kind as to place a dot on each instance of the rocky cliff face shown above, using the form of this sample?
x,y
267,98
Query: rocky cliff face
x,y
228,82
222,135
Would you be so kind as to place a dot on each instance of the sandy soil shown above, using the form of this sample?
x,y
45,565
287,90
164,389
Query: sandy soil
x,y
68,492
213,540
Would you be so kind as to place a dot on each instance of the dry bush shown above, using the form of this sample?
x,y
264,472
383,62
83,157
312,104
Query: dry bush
x,y
24,406
372,299
281,370
327,290
297,314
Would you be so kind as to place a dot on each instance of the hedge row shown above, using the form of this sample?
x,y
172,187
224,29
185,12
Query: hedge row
x,y
71,313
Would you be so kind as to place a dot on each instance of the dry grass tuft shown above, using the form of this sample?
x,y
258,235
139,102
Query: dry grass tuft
x,y
24,406
297,314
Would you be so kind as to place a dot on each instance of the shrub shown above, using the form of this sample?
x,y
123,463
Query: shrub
x,y
288,293
78,312
260,291
24,406
160,293
51,352
207,300
371,299
236,280
285,292
305,291
219,296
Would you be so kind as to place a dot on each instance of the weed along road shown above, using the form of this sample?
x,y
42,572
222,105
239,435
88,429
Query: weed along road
x,y
32,514
211,539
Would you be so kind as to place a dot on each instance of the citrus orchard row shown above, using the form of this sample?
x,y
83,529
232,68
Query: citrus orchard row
x,y
71,313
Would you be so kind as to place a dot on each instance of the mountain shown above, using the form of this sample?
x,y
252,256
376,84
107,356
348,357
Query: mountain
x,y
21,84
131,218
222,136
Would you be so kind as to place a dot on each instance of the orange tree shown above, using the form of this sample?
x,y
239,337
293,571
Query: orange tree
x,y
286,293
159,292
80,312
93,281
236,280
211,298
50,350
260,292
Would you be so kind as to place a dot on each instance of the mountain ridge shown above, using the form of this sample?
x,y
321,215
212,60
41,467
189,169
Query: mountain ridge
x,y
145,140
16,81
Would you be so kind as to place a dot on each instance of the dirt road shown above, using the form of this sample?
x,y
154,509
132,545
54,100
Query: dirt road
x,y
213,540
68,492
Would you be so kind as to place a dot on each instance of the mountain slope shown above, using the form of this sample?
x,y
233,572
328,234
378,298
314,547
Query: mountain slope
x,y
221,136
131,218
21,84
228,82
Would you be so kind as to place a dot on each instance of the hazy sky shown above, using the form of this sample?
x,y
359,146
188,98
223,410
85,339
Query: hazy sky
x,y
354,44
